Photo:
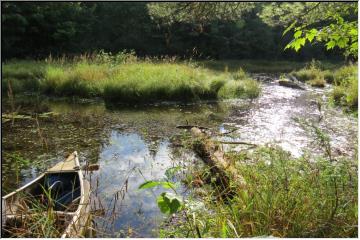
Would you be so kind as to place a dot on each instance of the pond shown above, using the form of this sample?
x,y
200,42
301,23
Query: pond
x,y
136,144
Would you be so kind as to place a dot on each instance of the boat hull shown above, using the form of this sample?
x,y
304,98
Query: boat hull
x,y
75,216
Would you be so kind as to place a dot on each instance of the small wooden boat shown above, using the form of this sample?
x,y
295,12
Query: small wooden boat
x,y
62,189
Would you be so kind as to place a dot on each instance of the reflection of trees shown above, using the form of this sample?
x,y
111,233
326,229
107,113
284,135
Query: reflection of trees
x,y
86,128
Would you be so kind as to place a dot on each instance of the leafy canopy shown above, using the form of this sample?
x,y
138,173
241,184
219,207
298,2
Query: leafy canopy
x,y
334,24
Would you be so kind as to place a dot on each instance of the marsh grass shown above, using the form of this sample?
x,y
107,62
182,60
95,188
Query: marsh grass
x,y
344,79
313,74
260,66
243,89
125,79
345,92
283,197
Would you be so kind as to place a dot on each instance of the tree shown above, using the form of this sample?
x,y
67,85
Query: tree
x,y
198,12
331,23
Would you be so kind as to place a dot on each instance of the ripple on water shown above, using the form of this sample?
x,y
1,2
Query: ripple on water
x,y
271,119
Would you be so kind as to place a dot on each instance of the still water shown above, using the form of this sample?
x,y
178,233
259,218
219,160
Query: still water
x,y
138,144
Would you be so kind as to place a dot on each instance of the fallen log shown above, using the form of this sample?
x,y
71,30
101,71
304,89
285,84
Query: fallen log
x,y
243,143
289,84
190,127
212,154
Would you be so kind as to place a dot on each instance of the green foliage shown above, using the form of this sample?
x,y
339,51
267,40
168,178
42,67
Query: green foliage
x,y
329,76
123,79
312,75
169,203
23,75
345,92
240,74
151,184
240,89
259,66
283,197
217,30
317,82
38,220
197,12
334,24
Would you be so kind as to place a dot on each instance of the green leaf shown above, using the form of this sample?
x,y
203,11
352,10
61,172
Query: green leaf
x,y
162,204
149,184
354,46
297,34
342,42
168,185
289,45
223,230
169,203
336,37
298,43
302,41
353,32
330,45
311,34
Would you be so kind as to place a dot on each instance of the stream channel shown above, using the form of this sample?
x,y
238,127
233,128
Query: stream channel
x,y
133,145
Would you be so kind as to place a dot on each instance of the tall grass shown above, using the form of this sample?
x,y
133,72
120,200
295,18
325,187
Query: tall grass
x,y
280,196
261,66
345,92
24,75
283,197
313,75
128,80
36,219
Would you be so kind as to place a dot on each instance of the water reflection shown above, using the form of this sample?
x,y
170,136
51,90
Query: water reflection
x,y
127,158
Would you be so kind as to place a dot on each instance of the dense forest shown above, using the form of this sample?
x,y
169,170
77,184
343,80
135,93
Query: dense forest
x,y
35,30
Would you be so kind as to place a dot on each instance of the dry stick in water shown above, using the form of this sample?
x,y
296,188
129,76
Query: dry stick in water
x,y
43,140
12,102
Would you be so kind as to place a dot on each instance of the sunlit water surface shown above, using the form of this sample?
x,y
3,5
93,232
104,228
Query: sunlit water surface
x,y
135,145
